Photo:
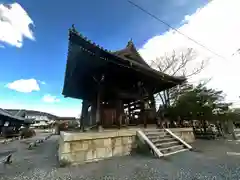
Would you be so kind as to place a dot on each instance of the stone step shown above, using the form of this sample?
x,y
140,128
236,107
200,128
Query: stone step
x,y
171,149
159,138
154,132
167,144
174,152
162,140
154,129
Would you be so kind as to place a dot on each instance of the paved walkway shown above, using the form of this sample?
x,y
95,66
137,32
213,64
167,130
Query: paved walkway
x,y
208,161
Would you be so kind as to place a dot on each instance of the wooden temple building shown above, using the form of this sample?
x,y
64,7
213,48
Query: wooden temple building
x,y
117,88
10,123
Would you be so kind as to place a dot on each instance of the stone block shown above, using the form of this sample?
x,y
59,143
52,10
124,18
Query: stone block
x,y
117,151
188,137
126,153
127,140
90,155
79,156
68,157
179,134
126,149
65,147
107,142
79,145
98,143
134,144
116,141
101,153
94,153
133,139
108,152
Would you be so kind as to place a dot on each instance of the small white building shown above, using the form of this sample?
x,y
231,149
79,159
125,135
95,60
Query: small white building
x,y
39,119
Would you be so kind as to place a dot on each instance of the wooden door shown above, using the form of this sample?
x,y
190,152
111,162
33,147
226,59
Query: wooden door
x,y
109,117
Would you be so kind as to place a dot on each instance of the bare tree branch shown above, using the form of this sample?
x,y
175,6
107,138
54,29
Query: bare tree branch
x,y
177,64
197,70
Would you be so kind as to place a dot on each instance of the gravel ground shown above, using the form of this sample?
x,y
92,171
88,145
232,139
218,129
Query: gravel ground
x,y
209,160
18,145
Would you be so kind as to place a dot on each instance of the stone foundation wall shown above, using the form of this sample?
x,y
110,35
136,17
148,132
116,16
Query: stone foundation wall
x,y
87,147
79,148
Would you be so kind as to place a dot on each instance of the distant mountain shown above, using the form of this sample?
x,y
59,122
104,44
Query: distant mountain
x,y
30,113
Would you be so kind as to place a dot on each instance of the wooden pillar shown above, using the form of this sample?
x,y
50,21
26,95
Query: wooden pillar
x,y
98,104
85,105
119,112
94,112
129,114
1,125
81,118
98,110
153,103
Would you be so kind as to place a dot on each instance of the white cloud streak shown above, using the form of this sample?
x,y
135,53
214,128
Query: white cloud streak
x,y
42,82
14,24
50,99
24,85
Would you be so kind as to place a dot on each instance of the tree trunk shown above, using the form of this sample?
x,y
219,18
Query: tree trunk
x,y
204,126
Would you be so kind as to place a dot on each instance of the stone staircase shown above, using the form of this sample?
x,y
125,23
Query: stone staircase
x,y
166,143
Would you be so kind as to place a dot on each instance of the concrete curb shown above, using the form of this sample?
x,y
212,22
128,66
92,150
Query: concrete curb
x,y
4,141
38,141
6,160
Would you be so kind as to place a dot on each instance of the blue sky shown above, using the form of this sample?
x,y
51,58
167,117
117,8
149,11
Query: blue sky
x,y
110,23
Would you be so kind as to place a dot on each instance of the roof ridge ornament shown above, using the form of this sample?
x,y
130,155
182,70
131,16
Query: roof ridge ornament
x,y
130,42
73,29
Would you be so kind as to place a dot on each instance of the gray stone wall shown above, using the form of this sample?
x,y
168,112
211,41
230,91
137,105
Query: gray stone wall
x,y
95,149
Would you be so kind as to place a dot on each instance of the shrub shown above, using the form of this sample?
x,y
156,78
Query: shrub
x,y
27,133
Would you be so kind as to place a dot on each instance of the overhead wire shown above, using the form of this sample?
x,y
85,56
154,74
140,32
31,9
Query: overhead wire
x,y
176,30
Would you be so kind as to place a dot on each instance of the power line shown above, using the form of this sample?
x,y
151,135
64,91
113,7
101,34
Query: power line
x,y
189,38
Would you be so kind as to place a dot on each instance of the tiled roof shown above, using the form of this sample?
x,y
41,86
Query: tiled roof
x,y
7,114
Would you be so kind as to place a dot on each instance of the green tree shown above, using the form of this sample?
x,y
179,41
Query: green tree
x,y
200,103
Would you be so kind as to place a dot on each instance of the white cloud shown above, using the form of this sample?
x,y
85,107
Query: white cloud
x,y
24,85
14,24
42,82
216,26
50,99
